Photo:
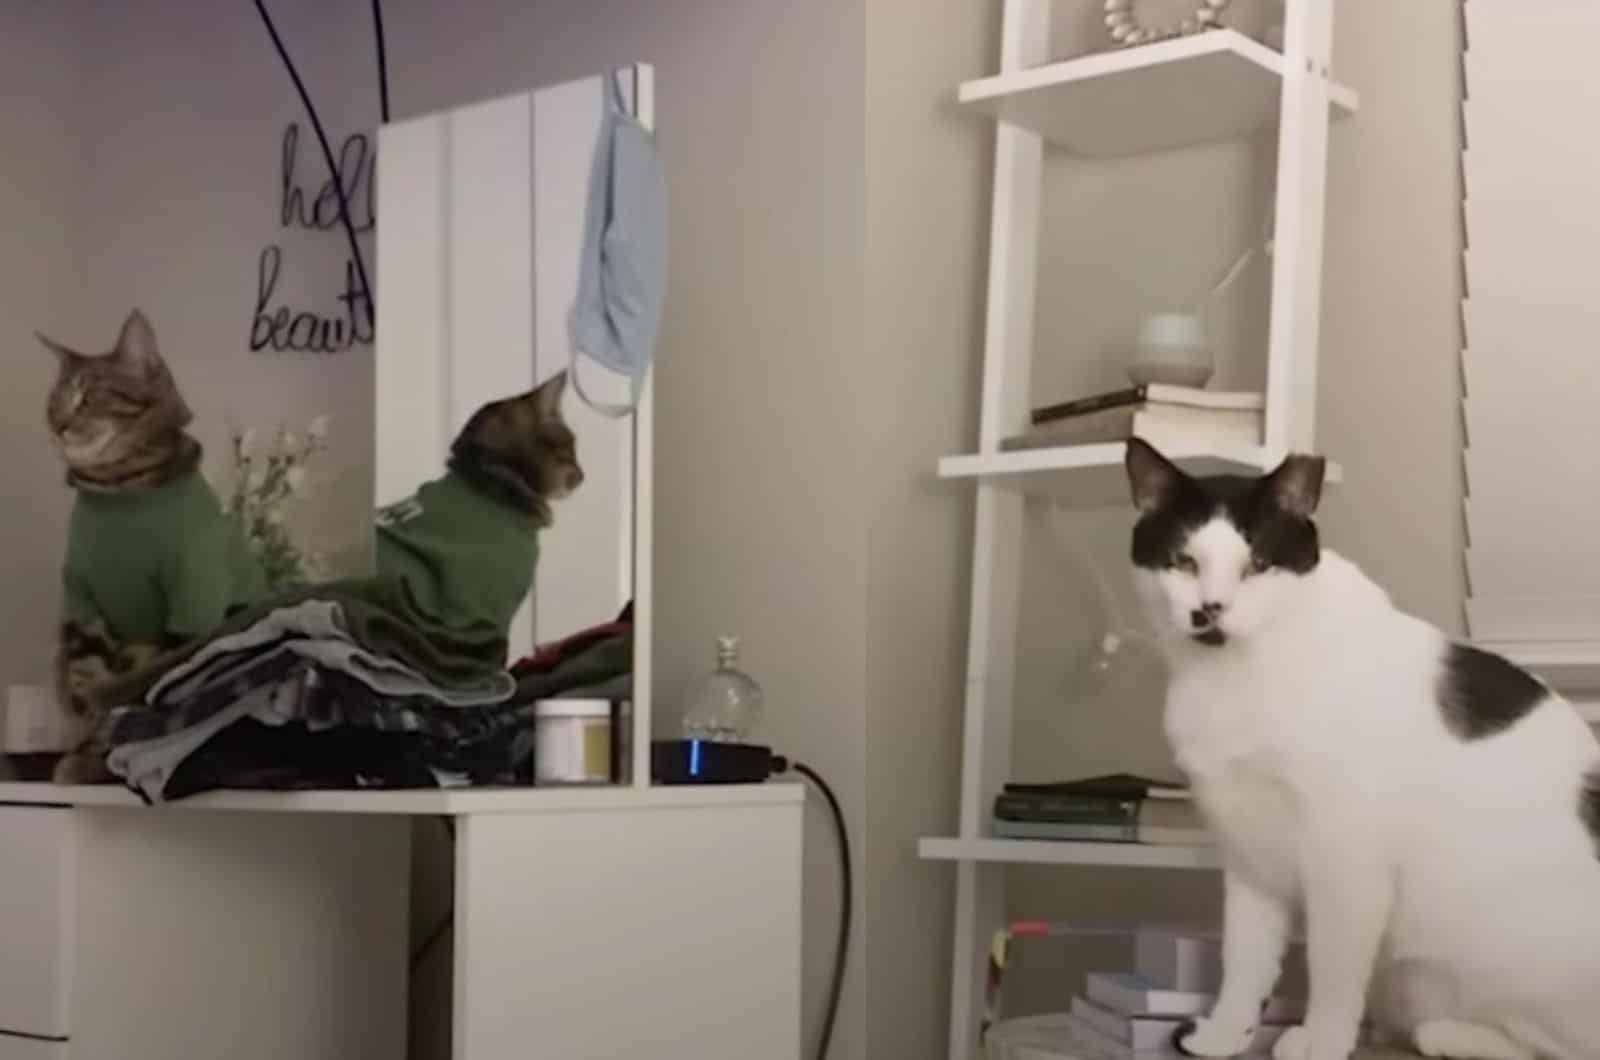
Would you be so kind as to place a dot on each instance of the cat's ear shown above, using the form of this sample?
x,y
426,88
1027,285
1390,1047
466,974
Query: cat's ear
x,y
547,398
136,344
1296,484
1152,477
68,358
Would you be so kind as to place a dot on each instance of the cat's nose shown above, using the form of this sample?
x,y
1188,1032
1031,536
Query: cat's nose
x,y
1211,608
574,479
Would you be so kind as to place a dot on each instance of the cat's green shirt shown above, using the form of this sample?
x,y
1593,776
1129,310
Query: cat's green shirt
x,y
468,557
164,562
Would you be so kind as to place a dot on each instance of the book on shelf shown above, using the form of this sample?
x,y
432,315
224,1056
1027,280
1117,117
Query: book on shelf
x,y
1145,1034
1165,416
1156,393
1107,785
1119,815
1189,834
1179,958
1060,1036
1131,994
1113,798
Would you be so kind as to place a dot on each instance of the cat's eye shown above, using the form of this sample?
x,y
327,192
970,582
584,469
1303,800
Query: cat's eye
x,y
1259,564
1185,562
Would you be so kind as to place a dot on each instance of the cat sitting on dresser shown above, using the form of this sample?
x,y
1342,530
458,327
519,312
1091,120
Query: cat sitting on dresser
x,y
1429,810
467,543
151,558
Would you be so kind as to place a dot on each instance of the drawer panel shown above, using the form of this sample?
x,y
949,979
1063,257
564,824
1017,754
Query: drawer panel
x,y
37,885
14,1048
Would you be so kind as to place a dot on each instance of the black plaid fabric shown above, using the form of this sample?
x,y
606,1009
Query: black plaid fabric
x,y
322,699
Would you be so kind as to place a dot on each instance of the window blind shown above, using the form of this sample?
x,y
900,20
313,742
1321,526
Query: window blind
x,y
1531,362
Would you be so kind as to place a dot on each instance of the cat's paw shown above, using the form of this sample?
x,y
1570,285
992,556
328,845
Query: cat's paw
x,y
82,767
1208,1037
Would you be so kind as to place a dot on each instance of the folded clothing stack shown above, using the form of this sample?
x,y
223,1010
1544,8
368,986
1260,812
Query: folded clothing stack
x,y
347,684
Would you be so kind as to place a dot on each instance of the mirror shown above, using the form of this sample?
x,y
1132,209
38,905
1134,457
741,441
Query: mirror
x,y
479,244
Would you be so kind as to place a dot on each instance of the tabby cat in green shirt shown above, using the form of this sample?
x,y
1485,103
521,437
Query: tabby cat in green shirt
x,y
466,543
152,560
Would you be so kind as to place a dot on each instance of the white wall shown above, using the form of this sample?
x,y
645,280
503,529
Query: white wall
x,y
40,290
926,233
181,193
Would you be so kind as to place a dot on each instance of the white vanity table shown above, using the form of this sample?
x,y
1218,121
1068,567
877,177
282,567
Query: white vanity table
x,y
592,924
589,924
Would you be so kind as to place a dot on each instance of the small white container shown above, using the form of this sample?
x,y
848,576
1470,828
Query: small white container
x,y
1171,348
580,741
34,723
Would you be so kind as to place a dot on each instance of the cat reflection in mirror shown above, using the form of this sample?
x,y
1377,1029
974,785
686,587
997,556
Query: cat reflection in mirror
x,y
151,558
1429,812
467,543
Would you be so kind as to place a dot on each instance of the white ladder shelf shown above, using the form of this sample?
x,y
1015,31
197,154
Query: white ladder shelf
x,y
1215,86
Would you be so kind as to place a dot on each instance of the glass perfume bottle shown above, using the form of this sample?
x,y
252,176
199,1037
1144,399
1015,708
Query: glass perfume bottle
x,y
726,705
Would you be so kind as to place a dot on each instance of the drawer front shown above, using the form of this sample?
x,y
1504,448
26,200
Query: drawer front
x,y
14,1048
37,885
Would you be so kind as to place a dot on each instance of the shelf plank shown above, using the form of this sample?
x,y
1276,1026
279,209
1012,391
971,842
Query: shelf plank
x,y
1050,852
1218,85
410,802
1093,475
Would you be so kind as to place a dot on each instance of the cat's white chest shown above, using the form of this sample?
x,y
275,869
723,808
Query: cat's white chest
x,y
1242,783
1252,814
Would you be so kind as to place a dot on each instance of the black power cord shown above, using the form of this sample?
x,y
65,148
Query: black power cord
x,y
383,61
841,954
438,931
327,152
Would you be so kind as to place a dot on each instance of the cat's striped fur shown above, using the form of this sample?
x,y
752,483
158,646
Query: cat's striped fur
x,y
119,423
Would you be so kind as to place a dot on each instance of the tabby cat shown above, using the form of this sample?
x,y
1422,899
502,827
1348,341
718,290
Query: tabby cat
x,y
151,560
467,543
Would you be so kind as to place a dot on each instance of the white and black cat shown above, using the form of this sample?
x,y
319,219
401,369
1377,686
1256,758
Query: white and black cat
x,y
1430,811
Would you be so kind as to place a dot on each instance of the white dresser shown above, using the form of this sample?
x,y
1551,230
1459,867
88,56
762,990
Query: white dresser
x,y
590,924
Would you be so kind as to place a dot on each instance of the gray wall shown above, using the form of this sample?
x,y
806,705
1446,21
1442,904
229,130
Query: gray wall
x,y
927,239
40,288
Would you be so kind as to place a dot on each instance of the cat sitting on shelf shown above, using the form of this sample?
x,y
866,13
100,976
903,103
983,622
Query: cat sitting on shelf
x,y
1430,810
467,543
151,558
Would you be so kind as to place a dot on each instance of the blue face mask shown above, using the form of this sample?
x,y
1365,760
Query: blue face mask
x,y
622,275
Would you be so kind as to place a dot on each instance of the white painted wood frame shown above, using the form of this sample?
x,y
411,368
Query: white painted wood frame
x,y
1304,101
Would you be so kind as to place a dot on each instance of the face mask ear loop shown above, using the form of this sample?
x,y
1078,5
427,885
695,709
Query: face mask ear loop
x,y
606,409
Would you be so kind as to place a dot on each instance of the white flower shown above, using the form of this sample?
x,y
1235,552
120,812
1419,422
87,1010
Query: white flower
x,y
296,477
257,479
247,442
317,432
286,439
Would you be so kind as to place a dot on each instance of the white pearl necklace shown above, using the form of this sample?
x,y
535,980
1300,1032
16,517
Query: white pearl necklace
x,y
1124,27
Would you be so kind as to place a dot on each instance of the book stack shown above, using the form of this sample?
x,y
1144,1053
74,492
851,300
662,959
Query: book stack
x,y
1168,417
1135,1015
1115,808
